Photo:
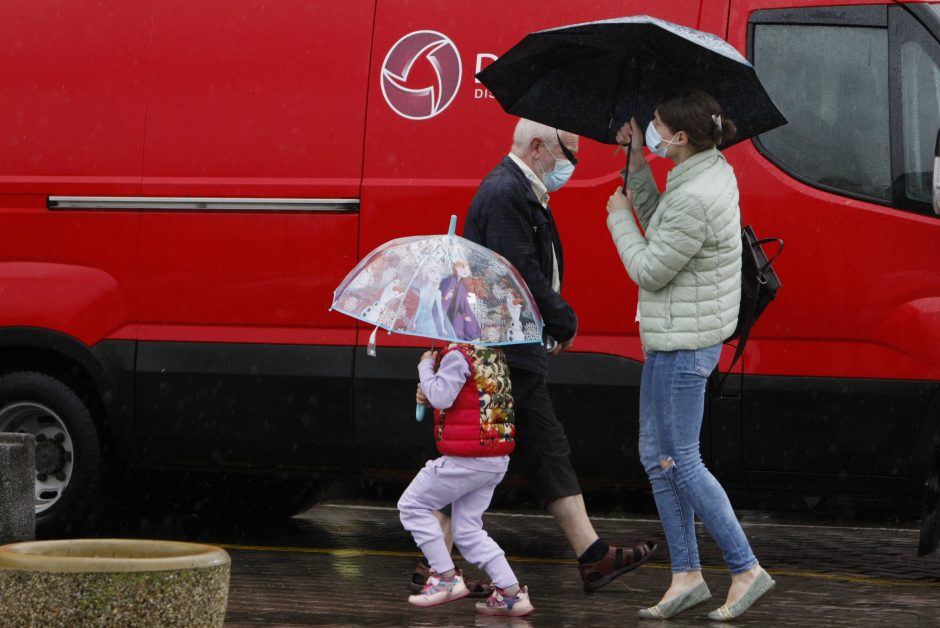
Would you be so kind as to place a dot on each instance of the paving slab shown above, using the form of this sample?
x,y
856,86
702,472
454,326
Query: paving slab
x,y
345,564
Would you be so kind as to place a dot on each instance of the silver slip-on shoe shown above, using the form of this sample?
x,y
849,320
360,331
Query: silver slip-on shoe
x,y
675,606
762,585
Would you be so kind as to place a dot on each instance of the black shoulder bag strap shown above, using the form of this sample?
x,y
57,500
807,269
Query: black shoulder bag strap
x,y
748,311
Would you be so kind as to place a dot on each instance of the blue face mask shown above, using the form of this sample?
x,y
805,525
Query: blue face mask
x,y
558,176
655,142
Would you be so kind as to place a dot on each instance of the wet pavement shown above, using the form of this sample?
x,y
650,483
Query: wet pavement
x,y
346,563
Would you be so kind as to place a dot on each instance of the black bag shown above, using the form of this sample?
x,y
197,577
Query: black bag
x,y
759,286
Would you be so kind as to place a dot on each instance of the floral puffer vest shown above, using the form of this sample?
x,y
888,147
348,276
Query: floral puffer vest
x,y
481,420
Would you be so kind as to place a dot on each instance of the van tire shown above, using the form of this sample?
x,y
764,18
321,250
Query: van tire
x,y
68,449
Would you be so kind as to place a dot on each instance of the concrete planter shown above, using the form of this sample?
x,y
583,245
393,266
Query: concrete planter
x,y
17,487
113,582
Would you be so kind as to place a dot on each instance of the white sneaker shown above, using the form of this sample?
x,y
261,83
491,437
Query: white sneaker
x,y
437,590
498,603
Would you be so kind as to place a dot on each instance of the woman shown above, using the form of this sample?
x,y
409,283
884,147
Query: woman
x,y
688,268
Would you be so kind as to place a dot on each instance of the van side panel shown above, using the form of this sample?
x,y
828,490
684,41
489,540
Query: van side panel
x,y
85,302
252,102
72,92
257,99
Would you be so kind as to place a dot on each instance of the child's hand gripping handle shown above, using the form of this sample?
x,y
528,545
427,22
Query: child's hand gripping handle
x,y
422,403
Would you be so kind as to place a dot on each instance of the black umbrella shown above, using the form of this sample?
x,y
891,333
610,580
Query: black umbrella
x,y
591,78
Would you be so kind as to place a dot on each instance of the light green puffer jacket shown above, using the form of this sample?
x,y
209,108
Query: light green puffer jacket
x,y
688,265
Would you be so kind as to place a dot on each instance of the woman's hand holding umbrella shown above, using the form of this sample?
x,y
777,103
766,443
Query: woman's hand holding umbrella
x,y
618,201
631,134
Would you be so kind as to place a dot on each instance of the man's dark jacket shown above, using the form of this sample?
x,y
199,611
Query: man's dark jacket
x,y
506,217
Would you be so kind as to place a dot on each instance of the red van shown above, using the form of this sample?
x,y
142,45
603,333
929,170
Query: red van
x,y
183,184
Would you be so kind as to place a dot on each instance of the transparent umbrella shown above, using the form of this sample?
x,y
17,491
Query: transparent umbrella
x,y
442,287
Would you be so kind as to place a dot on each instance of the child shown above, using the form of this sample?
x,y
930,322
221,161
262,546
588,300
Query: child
x,y
473,427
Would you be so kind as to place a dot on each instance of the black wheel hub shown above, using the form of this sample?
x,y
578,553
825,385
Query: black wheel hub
x,y
50,457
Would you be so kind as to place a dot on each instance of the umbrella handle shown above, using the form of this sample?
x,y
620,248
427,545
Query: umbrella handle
x,y
419,412
636,93
626,171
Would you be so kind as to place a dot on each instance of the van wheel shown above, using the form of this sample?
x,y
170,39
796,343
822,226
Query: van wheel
x,y
68,453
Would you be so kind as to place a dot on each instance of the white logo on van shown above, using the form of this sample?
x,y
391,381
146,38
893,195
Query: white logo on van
x,y
420,103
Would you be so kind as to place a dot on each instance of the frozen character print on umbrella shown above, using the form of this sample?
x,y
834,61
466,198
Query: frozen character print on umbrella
x,y
373,311
458,301
430,312
514,305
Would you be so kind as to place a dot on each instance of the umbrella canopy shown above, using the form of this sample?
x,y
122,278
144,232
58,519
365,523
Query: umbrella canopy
x,y
442,287
591,78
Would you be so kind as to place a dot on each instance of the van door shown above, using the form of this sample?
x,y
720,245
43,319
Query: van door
x,y
250,201
841,369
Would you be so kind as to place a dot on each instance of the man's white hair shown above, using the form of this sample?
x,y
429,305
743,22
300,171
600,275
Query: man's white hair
x,y
526,130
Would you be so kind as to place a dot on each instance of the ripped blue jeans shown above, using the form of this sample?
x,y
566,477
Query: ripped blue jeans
x,y
672,398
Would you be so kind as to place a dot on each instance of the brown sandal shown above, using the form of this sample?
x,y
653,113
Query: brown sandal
x,y
478,588
618,561
419,577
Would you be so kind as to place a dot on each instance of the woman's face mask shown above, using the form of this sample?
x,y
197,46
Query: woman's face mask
x,y
558,176
655,142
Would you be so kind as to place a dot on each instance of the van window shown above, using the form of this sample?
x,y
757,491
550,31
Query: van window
x,y
920,104
831,82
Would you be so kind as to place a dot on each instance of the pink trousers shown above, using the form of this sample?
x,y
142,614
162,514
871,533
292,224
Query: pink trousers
x,y
442,482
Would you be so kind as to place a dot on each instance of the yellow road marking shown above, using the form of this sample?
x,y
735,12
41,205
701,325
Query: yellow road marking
x,y
795,573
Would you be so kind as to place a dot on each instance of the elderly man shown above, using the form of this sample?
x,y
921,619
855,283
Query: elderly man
x,y
510,215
